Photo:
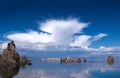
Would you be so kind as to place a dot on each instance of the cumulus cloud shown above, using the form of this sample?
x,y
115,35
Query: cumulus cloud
x,y
56,34
62,30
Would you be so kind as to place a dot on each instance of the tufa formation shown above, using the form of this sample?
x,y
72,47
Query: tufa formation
x,y
70,60
110,60
10,56
11,62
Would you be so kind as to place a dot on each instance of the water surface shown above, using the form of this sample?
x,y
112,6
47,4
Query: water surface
x,y
52,68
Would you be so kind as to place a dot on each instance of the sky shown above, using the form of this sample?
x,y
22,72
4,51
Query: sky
x,y
60,25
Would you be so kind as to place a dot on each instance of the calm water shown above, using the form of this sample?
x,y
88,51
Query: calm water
x,y
52,68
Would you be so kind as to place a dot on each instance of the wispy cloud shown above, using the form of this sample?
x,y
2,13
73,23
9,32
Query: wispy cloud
x,y
84,41
30,36
99,36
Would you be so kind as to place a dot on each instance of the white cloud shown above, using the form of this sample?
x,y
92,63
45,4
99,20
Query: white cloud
x,y
62,30
31,37
103,48
84,41
56,34
99,36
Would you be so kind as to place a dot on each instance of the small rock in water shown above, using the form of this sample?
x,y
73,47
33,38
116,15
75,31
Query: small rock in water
x,y
110,60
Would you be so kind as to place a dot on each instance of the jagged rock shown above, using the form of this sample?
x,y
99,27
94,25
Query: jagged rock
x,y
9,53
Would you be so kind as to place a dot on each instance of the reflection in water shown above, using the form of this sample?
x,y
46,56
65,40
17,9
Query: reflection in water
x,y
8,71
52,68
47,68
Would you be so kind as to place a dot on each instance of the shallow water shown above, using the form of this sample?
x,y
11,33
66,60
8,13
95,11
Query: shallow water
x,y
52,68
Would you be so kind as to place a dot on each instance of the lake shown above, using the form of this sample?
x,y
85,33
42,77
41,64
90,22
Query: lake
x,y
95,67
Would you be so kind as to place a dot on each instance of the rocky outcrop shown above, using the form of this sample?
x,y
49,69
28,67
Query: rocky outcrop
x,y
11,56
10,61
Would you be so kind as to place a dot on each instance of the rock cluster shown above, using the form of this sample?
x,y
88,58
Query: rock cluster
x,y
70,60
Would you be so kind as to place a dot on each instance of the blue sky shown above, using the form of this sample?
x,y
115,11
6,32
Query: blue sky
x,y
96,23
